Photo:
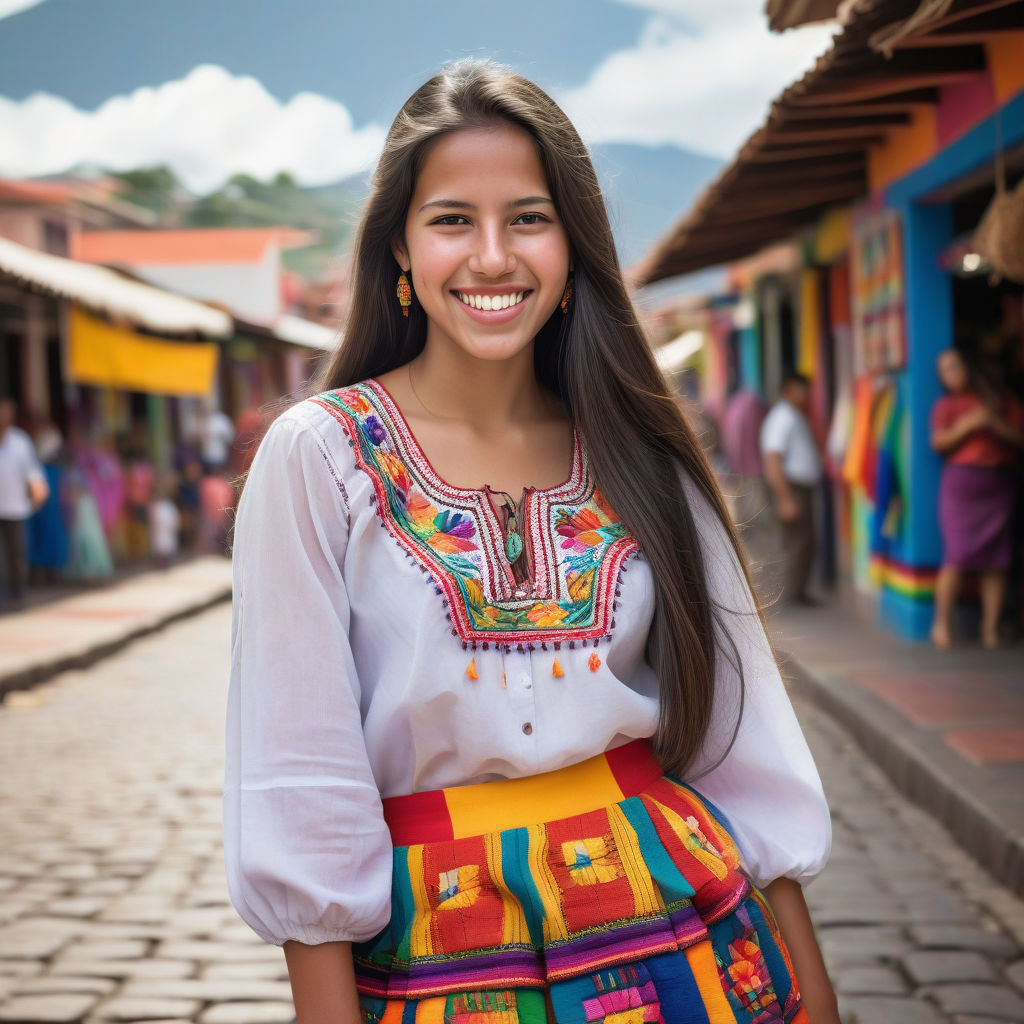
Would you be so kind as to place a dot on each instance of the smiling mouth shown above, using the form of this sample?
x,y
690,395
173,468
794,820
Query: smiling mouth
x,y
491,302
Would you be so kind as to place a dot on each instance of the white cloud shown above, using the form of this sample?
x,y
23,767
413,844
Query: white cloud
x,y
700,14
700,76
9,7
206,126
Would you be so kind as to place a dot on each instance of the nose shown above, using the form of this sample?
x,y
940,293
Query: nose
x,y
492,256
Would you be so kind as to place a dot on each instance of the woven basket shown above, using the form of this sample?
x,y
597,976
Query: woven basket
x,y
999,236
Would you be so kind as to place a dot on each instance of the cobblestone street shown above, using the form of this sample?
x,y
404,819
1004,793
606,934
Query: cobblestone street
x,y
113,905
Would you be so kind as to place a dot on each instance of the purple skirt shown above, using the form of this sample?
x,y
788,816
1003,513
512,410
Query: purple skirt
x,y
975,513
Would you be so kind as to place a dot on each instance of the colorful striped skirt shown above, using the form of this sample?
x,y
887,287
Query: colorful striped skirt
x,y
602,892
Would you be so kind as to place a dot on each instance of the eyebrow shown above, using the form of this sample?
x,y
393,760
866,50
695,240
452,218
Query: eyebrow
x,y
458,204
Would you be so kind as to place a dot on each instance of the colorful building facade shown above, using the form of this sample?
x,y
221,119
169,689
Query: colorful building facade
x,y
882,280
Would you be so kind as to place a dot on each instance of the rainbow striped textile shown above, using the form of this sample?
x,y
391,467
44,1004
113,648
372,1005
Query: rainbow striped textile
x,y
602,892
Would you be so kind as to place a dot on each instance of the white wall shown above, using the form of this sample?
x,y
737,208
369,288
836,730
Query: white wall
x,y
251,290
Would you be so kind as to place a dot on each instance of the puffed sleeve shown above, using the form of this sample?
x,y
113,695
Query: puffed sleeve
x,y
767,785
307,852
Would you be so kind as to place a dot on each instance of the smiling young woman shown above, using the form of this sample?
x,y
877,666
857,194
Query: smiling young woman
x,y
562,780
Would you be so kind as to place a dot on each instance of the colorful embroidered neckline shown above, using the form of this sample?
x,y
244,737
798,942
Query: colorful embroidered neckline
x,y
578,542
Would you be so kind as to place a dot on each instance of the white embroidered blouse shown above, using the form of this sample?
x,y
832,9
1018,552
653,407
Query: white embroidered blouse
x,y
381,645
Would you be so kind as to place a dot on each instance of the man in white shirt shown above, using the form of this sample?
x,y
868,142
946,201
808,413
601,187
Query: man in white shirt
x,y
216,432
793,468
23,488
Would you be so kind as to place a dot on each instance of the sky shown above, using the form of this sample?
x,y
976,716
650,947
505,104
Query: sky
x,y
214,87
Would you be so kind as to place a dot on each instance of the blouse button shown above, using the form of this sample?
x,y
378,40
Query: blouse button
x,y
527,728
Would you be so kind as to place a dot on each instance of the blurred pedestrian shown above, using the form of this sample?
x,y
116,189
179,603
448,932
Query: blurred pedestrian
x,y
89,559
980,435
215,434
463,788
98,460
23,488
47,528
140,479
216,500
164,522
793,469
741,431
188,501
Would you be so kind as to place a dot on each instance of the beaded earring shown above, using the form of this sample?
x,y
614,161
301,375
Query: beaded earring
x,y
567,295
404,293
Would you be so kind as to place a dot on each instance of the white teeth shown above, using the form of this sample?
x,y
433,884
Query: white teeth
x,y
491,302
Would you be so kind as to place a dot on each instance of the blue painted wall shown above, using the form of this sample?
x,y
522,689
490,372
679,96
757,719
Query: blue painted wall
x,y
927,229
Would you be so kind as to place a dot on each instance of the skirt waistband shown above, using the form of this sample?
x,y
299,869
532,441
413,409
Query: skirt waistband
x,y
462,811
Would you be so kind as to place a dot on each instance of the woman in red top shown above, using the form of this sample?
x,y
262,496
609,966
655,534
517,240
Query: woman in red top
x,y
980,436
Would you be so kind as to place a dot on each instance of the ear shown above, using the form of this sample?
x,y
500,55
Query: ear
x,y
401,254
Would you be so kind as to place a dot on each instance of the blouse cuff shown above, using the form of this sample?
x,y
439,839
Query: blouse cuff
x,y
315,935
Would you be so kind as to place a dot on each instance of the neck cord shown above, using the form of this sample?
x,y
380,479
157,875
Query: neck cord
x,y
513,538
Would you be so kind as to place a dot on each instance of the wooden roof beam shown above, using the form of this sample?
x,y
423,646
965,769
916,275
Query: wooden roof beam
x,y
938,59
898,111
962,13
890,38
794,136
807,200
784,153
850,125
747,233
878,87
968,29
770,177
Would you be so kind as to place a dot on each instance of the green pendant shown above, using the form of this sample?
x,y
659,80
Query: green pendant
x,y
513,546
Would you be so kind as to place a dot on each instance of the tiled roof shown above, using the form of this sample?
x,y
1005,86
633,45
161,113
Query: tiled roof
x,y
812,151
185,245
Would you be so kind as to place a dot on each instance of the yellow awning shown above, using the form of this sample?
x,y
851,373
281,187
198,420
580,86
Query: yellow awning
x,y
105,355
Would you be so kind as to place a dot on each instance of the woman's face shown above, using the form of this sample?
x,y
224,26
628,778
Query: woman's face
x,y
952,372
488,253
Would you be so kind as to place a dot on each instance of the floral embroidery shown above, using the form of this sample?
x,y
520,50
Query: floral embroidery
x,y
751,987
577,541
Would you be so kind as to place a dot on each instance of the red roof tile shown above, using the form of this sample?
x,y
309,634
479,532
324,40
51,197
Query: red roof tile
x,y
186,245
34,192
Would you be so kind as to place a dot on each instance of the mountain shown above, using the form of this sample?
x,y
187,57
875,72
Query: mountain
x,y
647,189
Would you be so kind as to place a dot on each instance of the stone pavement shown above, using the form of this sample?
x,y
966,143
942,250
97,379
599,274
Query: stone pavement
x,y
75,631
946,726
113,906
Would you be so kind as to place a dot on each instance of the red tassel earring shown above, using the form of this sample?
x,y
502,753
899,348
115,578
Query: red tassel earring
x,y
404,293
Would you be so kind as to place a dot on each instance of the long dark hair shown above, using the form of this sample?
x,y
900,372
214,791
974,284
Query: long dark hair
x,y
595,359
